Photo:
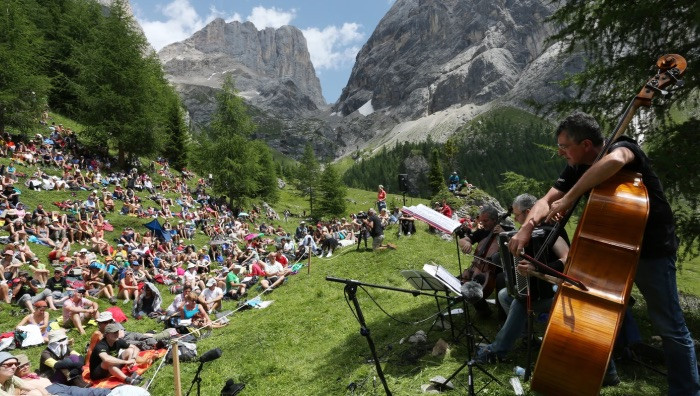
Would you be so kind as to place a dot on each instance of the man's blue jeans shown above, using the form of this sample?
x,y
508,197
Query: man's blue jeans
x,y
516,320
656,279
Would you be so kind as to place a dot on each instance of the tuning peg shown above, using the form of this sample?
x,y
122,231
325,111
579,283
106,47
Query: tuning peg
x,y
657,90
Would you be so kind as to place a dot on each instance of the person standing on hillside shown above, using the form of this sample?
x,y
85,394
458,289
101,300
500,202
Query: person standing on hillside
x,y
580,141
381,198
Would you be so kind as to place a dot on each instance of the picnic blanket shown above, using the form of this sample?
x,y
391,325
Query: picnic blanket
x,y
112,382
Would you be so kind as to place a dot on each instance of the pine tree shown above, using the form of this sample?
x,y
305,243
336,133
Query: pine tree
x,y
307,175
121,91
226,152
435,174
332,193
23,87
267,174
177,143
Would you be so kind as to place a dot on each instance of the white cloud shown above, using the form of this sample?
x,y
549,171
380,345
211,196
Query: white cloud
x,y
333,47
270,17
182,20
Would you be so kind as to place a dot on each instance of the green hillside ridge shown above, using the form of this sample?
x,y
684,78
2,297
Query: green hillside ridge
x,y
498,141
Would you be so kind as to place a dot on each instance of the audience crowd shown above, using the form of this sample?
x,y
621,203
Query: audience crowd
x,y
89,265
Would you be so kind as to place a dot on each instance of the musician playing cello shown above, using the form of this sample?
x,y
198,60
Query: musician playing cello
x,y
541,292
486,235
580,140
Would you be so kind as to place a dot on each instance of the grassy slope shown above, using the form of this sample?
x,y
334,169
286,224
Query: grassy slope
x,y
308,343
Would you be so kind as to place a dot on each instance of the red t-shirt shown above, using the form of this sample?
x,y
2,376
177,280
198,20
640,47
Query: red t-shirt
x,y
447,211
381,195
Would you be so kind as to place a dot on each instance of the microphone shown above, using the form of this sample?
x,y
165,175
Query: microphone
x,y
210,355
472,291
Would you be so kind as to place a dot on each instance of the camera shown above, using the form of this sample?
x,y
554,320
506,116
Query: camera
x,y
362,216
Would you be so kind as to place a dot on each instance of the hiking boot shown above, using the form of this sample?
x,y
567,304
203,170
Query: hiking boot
x,y
133,379
113,300
485,355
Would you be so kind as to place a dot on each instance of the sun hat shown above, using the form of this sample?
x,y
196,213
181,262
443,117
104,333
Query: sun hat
x,y
105,316
22,359
57,335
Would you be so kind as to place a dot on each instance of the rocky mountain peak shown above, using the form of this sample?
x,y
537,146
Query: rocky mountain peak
x,y
271,68
428,55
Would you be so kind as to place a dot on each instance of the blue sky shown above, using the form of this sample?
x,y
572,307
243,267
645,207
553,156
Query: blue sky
x,y
335,30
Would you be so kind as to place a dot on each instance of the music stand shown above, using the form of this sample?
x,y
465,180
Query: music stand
x,y
452,283
424,281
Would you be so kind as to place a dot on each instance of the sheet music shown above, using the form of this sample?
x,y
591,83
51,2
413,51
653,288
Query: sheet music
x,y
432,217
445,277
422,280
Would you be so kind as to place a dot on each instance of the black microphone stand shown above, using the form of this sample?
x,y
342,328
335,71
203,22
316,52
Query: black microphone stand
x,y
197,379
351,292
470,363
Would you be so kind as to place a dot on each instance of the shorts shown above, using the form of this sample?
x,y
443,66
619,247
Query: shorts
x,y
272,279
99,373
377,241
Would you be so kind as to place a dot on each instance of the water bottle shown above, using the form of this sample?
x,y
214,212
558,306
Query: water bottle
x,y
519,371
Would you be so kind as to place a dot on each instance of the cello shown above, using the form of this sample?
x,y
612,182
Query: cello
x,y
483,270
605,249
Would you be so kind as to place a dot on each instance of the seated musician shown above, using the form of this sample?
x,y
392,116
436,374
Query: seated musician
x,y
481,271
541,292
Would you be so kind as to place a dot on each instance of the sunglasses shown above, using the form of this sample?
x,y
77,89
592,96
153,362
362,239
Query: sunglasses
x,y
10,365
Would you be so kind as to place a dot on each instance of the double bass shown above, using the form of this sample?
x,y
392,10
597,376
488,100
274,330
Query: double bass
x,y
604,253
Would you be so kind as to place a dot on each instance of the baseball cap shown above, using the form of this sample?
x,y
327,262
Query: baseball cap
x,y
112,328
105,316
4,356
83,250
211,282
191,265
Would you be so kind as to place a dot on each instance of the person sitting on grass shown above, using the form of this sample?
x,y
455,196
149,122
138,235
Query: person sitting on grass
x,y
106,359
41,274
212,296
99,283
128,287
10,384
148,302
24,291
194,311
274,275
39,318
234,287
78,310
59,363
